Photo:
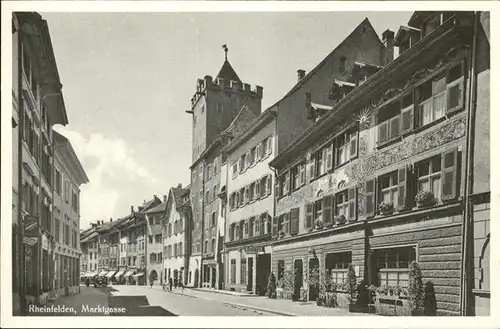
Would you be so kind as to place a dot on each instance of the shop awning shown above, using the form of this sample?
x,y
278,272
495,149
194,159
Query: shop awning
x,y
119,274
30,241
103,273
90,274
137,275
129,273
110,274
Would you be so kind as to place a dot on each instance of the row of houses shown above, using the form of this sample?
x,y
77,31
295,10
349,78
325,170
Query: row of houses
x,y
46,173
141,247
370,159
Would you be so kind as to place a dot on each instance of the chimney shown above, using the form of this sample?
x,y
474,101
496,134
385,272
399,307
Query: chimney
x,y
111,219
131,209
300,74
164,198
388,41
179,186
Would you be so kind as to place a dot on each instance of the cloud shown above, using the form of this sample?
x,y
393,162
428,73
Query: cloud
x,y
111,166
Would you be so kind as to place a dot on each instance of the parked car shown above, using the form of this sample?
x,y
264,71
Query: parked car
x,y
100,281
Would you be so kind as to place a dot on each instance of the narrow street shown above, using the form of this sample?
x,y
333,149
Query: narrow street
x,y
139,301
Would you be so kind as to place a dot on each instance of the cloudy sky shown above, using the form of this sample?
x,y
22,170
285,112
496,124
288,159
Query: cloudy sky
x,y
128,80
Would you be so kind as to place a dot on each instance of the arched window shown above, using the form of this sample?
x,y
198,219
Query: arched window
x,y
206,246
213,244
484,266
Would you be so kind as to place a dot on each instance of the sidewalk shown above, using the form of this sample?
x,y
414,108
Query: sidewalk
x,y
264,304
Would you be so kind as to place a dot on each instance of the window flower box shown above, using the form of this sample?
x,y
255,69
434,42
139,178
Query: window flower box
x,y
386,208
319,224
340,220
425,199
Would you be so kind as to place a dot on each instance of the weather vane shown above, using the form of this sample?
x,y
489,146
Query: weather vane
x,y
225,50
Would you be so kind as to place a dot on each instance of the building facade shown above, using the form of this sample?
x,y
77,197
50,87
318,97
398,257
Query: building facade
x,y
154,219
385,176
250,206
213,108
177,239
69,175
38,104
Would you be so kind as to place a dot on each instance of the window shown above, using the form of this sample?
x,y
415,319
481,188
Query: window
x,y
215,166
262,222
283,185
251,192
206,247
318,210
180,249
269,145
158,220
158,238
341,204
392,265
429,176
251,157
432,100
257,190
233,271
319,162
150,239
66,191
214,192
207,196
243,163
337,265
389,188
346,146
241,229
235,169
298,176
58,182
212,246
251,228
214,220
243,276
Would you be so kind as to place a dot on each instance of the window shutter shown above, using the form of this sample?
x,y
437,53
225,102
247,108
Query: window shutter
x,y
277,193
257,226
383,132
288,182
353,145
257,190
269,184
311,169
329,157
352,198
302,174
275,226
309,215
370,197
269,145
406,120
246,227
246,194
294,221
449,174
257,153
236,231
327,209
454,96
394,128
402,188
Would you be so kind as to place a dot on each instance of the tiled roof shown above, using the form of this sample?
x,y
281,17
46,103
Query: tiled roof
x,y
161,207
178,193
243,120
227,72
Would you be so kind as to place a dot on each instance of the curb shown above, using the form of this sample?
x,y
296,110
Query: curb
x,y
266,310
223,292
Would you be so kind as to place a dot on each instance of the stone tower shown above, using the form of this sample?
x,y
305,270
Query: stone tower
x,y
216,103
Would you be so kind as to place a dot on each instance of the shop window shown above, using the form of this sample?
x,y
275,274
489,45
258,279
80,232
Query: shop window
x,y
392,265
337,265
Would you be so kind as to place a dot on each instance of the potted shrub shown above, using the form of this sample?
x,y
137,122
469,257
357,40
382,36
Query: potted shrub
x,y
319,223
386,208
415,290
271,286
339,220
425,198
351,288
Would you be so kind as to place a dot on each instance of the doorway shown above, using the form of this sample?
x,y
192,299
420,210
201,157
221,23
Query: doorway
x,y
313,289
196,278
250,274
298,277
263,264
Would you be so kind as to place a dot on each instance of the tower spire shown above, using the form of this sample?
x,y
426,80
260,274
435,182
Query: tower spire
x,y
225,51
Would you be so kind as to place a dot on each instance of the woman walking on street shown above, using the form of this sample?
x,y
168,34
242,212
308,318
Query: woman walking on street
x,y
170,283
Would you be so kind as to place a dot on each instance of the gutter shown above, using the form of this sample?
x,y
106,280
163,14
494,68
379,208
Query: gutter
x,y
465,270
20,218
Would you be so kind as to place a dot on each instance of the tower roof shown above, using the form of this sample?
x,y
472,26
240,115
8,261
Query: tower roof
x,y
227,72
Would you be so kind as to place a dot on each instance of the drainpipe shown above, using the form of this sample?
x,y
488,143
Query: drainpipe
x,y
20,131
469,153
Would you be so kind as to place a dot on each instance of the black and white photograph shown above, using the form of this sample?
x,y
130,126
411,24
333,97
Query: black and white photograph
x,y
238,162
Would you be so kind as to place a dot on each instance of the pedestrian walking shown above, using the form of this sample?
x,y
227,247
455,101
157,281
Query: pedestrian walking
x,y
175,283
181,285
170,283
